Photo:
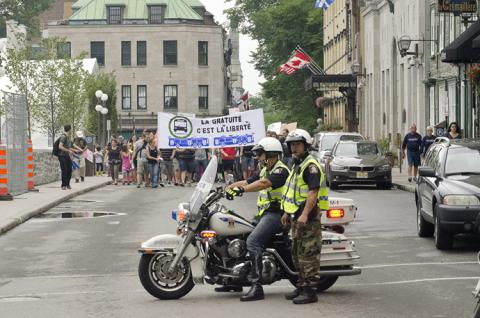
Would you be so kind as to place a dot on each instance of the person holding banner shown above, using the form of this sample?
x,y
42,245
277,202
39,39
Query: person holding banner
x,y
269,184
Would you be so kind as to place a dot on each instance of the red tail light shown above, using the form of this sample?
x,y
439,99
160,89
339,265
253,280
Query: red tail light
x,y
335,213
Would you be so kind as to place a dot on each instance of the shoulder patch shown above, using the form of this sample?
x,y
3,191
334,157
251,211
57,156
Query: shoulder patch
x,y
313,169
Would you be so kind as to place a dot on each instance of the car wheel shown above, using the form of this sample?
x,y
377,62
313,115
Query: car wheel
x,y
443,239
424,229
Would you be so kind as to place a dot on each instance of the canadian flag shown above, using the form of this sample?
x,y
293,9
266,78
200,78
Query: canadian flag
x,y
298,61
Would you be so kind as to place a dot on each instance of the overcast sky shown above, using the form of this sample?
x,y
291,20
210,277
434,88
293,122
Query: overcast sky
x,y
251,77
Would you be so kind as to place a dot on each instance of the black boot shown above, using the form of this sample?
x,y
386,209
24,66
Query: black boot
x,y
256,291
293,294
307,296
229,288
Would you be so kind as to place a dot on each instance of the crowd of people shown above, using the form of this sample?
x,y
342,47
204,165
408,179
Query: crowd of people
x,y
140,161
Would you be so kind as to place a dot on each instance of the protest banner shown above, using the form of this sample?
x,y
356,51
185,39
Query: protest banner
x,y
240,129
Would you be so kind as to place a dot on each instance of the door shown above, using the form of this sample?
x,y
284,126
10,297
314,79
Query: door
x,y
426,185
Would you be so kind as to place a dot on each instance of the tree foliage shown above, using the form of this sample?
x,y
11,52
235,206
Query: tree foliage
x,y
24,12
279,26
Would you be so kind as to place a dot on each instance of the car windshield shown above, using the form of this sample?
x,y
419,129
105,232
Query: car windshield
x,y
356,149
463,161
329,141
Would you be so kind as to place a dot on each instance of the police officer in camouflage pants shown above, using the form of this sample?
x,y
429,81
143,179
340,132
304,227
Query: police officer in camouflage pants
x,y
304,198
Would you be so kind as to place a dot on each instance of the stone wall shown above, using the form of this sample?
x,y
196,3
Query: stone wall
x,y
46,167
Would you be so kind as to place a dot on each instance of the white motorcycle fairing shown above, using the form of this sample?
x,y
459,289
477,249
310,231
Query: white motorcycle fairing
x,y
170,244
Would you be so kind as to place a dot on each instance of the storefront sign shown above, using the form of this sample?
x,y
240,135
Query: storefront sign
x,y
240,129
457,6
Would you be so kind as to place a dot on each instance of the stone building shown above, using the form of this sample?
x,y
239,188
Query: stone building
x,y
167,55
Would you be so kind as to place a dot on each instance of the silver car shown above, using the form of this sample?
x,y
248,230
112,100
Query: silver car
x,y
325,141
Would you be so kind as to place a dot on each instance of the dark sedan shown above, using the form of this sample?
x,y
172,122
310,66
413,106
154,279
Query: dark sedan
x,y
352,162
448,191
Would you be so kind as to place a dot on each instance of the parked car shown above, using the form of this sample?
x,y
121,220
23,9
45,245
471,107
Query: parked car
x,y
356,162
448,191
325,141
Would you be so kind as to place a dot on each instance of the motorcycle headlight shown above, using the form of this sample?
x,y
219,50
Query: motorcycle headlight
x,y
384,168
461,200
338,168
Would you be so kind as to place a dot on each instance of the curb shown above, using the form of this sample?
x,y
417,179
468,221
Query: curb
x,y
407,188
22,219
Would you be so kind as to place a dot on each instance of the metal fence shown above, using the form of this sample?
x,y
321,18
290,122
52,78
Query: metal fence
x,y
16,137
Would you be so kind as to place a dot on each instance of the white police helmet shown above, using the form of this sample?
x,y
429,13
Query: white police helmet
x,y
269,145
299,135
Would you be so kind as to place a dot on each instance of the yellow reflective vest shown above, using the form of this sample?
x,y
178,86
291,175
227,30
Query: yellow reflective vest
x,y
269,195
296,189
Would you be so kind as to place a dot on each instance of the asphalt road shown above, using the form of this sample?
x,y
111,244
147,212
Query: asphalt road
x,y
87,267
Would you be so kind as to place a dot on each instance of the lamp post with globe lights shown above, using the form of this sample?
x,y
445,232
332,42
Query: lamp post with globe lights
x,y
102,98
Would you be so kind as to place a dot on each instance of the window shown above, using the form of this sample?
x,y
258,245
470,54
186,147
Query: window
x,y
170,52
126,53
126,97
142,97
433,30
170,97
97,50
156,16
114,15
64,50
441,33
203,97
202,53
141,53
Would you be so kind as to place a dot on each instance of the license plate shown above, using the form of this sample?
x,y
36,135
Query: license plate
x,y
362,175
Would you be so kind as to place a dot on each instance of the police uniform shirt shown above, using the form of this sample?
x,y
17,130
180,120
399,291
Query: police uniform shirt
x,y
277,177
311,176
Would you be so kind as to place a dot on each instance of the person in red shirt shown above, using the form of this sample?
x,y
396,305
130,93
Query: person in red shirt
x,y
228,159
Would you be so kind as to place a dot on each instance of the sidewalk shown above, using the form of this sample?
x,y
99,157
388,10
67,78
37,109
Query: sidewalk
x,y
400,180
30,204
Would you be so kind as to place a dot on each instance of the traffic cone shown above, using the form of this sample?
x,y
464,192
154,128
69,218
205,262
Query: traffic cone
x,y
30,173
4,194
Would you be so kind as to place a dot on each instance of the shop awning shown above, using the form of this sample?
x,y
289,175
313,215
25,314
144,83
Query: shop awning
x,y
464,49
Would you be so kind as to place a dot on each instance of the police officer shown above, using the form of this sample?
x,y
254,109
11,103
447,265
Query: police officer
x,y
269,184
304,198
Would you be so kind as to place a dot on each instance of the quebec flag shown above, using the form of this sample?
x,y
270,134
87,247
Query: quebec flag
x,y
325,4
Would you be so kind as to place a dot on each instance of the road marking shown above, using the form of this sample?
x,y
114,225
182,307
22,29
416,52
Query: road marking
x,y
114,222
401,282
373,266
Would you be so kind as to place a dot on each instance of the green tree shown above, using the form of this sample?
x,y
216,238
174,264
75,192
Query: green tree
x,y
279,26
24,12
107,83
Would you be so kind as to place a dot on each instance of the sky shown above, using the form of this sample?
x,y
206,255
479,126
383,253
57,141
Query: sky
x,y
251,77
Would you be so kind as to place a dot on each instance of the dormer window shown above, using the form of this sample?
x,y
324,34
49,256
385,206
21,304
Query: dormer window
x,y
114,15
156,14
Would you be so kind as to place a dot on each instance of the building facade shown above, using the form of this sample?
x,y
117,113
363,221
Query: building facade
x,y
166,55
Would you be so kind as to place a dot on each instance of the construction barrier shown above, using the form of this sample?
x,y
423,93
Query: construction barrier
x,y
4,193
29,162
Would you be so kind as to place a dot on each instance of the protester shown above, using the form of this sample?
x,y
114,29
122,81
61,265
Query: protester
x,y
167,166
153,158
186,160
454,131
247,160
126,165
271,134
105,160
287,153
131,149
64,156
98,155
114,160
412,143
201,162
79,148
427,141
176,168
140,157
228,158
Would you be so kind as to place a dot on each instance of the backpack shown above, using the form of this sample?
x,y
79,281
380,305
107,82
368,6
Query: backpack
x,y
139,150
56,148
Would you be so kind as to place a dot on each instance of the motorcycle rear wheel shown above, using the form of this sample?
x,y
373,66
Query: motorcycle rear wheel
x,y
152,271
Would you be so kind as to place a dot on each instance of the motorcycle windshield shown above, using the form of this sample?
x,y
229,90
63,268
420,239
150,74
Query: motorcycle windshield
x,y
204,186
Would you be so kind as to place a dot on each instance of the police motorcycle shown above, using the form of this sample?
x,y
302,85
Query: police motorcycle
x,y
476,294
210,247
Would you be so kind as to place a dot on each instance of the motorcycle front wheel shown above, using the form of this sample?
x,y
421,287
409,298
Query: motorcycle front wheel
x,y
158,282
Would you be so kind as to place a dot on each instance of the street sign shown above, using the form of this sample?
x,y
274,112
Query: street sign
x,y
328,83
457,6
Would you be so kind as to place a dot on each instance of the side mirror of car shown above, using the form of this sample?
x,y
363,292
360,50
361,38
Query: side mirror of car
x,y
327,154
427,172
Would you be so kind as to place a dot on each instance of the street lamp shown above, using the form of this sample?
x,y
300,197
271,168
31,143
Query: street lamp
x,y
404,45
101,110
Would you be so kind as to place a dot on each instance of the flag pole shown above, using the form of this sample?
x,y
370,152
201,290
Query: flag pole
x,y
315,66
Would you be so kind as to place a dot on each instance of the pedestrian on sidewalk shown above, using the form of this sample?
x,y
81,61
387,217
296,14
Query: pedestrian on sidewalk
x,y
79,148
412,143
153,157
64,156
98,155
454,131
126,165
427,141
114,160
